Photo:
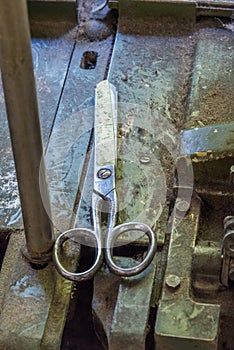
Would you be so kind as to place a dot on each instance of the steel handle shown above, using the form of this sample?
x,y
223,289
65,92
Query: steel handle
x,y
111,242
82,236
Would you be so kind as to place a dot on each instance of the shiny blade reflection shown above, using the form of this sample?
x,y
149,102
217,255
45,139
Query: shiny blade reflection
x,y
105,124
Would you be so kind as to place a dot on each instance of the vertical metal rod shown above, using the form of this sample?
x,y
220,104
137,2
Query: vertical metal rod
x,y
24,124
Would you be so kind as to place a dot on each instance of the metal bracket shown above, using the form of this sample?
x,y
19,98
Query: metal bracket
x,y
181,322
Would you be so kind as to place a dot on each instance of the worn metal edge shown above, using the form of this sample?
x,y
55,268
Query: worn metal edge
x,y
57,316
211,139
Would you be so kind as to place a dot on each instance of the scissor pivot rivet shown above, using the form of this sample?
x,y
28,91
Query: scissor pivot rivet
x,y
104,173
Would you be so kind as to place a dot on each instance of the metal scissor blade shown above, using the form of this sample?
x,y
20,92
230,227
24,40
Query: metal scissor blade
x,y
105,125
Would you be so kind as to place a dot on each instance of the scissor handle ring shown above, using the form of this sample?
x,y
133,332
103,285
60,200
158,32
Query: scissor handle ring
x,y
111,240
82,234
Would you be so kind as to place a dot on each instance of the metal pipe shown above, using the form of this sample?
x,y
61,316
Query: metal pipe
x,y
24,124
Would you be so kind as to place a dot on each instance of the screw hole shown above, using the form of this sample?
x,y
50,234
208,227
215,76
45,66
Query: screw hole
x,y
89,60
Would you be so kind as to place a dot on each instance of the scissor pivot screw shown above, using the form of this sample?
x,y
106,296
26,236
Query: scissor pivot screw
x,y
104,173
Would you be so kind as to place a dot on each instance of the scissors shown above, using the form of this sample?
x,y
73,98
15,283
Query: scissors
x,y
104,191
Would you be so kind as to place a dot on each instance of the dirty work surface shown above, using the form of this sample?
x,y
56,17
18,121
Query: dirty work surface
x,y
68,89
162,78
169,73
165,82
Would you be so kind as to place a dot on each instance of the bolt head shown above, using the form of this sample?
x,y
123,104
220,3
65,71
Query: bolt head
x,y
182,205
172,281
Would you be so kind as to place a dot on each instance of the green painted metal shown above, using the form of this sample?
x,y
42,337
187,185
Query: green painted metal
x,y
120,302
183,323
132,308
207,259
